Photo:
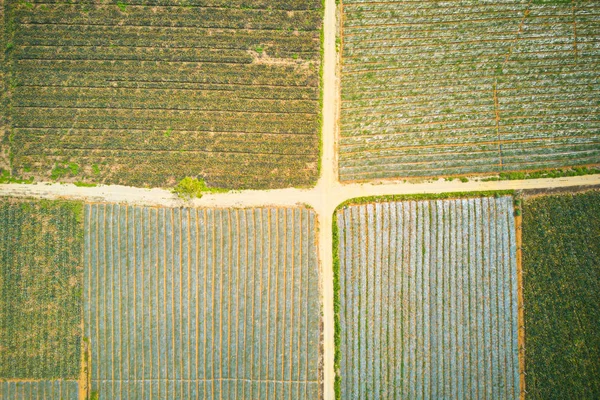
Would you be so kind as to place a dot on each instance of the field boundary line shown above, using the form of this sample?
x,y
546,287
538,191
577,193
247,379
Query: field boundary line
x,y
518,220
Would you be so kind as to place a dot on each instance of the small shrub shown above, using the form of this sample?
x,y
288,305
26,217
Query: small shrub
x,y
84,184
189,188
74,168
122,6
95,169
463,179
58,172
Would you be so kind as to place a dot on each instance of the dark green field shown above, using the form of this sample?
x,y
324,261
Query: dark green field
x,y
561,272
40,289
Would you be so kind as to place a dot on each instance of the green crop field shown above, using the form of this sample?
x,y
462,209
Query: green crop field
x,y
146,92
46,390
40,289
427,300
202,303
561,279
438,88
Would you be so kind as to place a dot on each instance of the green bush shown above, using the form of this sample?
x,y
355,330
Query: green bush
x,y
189,188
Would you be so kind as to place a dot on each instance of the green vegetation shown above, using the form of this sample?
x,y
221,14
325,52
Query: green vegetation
x,y
84,184
479,88
5,177
189,188
561,277
96,84
40,289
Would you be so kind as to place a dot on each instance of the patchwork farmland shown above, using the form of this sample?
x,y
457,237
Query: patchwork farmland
x,y
207,303
428,300
145,93
458,88
41,244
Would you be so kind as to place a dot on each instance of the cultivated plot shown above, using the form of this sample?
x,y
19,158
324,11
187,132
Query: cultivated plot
x,y
47,390
561,282
40,290
202,303
428,300
147,92
454,88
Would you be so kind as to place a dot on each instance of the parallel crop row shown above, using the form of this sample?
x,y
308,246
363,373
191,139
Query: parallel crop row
x,y
48,390
428,300
207,303
418,75
165,73
40,290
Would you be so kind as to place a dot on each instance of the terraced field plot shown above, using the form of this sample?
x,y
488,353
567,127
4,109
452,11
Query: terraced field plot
x,y
147,92
467,87
207,303
428,300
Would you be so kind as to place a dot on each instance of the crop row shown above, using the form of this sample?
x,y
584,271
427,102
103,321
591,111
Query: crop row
x,y
48,390
36,141
40,250
153,168
160,119
525,163
535,91
364,147
200,92
211,303
243,4
218,18
428,300
121,98
275,42
492,153
82,72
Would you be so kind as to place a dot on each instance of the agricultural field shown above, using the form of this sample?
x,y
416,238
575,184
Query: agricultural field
x,y
561,265
40,290
47,390
147,92
468,87
202,303
427,299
